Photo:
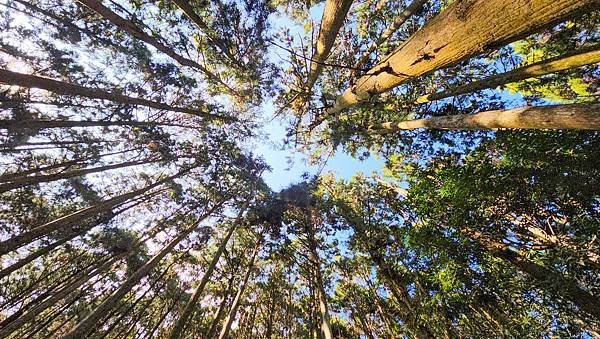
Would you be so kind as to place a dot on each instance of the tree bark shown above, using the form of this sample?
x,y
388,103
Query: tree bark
x,y
217,318
130,27
65,88
238,297
465,29
21,239
334,14
385,35
31,180
573,116
566,287
587,56
87,324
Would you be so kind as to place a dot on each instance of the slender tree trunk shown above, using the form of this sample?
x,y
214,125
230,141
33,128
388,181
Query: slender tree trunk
x,y
334,14
465,29
65,88
131,28
587,56
45,124
573,116
320,289
566,287
32,180
387,33
87,324
69,220
179,327
217,318
13,322
238,297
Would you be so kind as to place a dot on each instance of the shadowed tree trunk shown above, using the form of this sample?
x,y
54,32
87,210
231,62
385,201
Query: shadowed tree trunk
x,y
587,56
87,324
574,116
131,28
465,29
334,14
219,314
65,88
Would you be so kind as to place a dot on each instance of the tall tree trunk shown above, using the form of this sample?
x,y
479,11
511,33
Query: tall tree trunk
x,y
238,297
387,33
334,14
566,287
219,314
86,325
44,124
320,289
465,29
69,220
15,321
65,88
586,56
131,28
179,327
32,180
573,116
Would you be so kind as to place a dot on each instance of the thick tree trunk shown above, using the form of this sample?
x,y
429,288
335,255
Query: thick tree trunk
x,y
131,28
238,297
334,14
587,56
465,29
566,287
387,33
31,180
574,116
179,327
65,88
87,324
69,220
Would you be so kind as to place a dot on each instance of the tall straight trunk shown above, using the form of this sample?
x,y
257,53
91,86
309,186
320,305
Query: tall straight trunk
x,y
465,29
566,287
44,124
69,220
65,88
573,116
586,56
131,28
334,14
238,297
219,314
320,289
12,323
391,29
32,180
189,12
38,169
183,320
87,324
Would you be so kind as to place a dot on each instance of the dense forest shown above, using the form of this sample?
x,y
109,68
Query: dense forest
x,y
133,203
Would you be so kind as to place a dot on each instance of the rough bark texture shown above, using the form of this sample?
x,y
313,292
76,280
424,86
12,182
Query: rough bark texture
x,y
396,24
334,14
87,324
576,59
131,28
465,29
65,88
574,116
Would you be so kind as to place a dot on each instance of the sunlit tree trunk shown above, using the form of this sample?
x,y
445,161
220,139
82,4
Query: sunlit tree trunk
x,y
587,56
465,29
65,88
44,124
573,116
334,14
